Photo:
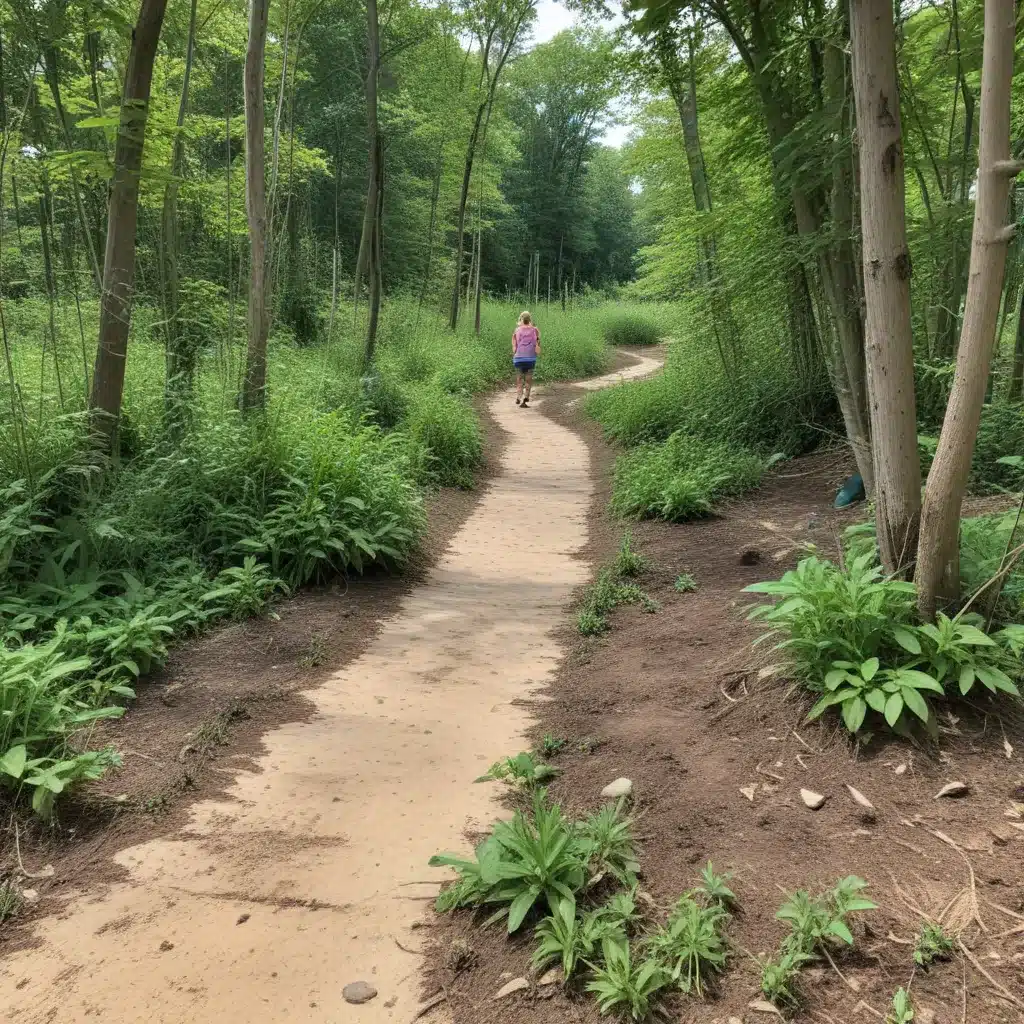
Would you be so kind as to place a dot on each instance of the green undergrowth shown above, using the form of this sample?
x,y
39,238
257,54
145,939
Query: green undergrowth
x,y
203,514
615,585
853,639
630,327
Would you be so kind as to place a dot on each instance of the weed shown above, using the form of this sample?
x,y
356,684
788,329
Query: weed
x,y
714,888
606,839
685,583
591,623
932,944
623,985
521,771
902,1011
628,564
551,745
691,944
604,595
316,654
589,744
243,591
778,976
11,900
567,937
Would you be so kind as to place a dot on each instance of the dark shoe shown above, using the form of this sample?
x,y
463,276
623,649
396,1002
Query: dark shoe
x,y
518,401
526,404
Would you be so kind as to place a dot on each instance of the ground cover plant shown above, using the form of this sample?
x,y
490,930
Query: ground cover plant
x,y
615,585
854,639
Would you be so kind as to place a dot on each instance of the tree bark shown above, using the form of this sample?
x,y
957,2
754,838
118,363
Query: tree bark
x,y
366,261
254,386
1017,379
122,218
938,557
889,342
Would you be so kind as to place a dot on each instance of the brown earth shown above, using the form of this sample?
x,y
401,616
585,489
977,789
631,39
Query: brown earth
x,y
675,702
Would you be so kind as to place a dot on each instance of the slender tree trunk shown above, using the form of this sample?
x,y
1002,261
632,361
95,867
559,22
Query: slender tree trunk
x,y
254,386
366,260
889,343
122,218
1017,380
181,358
460,230
479,293
938,557
375,262
434,196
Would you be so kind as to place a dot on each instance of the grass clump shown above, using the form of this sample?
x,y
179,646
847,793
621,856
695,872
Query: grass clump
x,y
680,478
685,583
521,772
447,431
631,329
625,984
607,593
628,563
932,944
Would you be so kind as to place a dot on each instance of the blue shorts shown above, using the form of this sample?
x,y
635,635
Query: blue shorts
x,y
524,365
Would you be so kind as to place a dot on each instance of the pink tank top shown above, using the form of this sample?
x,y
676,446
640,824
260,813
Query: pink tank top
x,y
526,341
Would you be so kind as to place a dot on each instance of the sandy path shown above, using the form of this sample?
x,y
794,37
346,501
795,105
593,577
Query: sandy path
x,y
306,877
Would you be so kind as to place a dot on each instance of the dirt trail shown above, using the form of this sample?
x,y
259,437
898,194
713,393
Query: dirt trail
x,y
311,874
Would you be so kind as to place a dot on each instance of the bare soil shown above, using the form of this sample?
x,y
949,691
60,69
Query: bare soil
x,y
676,701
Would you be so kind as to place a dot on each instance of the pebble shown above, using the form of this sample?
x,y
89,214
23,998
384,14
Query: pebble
x,y
620,787
860,798
953,789
812,799
358,992
516,985
900,769
30,895
763,1006
552,977
170,694
749,791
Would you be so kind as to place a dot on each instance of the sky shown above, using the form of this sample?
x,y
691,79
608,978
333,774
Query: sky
x,y
552,18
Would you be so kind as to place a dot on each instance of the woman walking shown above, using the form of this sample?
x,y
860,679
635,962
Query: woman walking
x,y
525,350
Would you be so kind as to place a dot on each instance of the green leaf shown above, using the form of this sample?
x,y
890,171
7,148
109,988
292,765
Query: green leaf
x,y
876,700
974,636
13,762
854,712
840,930
869,668
966,678
521,907
893,709
906,639
915,702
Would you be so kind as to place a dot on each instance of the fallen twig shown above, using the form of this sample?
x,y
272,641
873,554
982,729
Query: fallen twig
x,y
433,1001
1005,993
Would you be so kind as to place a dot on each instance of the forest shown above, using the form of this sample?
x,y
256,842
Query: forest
x,y
260,262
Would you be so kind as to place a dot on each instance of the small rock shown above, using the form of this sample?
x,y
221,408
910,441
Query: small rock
x,y
860,798
735,1020
171,694
30,895
166,947
620,787
552,977
242,918
749,791
416,924
953,789
510,988
358,992
813,800
750,556
1001,836
900,769
924,1015
763,1006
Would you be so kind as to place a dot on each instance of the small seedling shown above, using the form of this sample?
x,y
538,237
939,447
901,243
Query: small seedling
x,y
626,986
316,654
932,944
521,771
606,838
902,1011
649,605
589,744
552,745
714,889
629,564
691,945
11,900
685,583
778,977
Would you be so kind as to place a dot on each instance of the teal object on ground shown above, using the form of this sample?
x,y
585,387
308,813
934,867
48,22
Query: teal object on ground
x,y
851,491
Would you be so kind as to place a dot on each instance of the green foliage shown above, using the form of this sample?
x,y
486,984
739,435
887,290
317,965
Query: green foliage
x,y
533,856
932,944
902,1011
11,900
551,745
521,771
603,596
631,328
715,889
628,563
606,841
572,938
779,975
691,944
685,583
681,478
446,428
624,985
243,591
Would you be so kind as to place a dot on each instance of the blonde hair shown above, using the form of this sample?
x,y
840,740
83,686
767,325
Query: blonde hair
x,y
525,318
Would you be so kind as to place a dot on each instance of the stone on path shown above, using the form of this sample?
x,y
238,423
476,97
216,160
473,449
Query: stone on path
x,y
749,791
953,789
620,787
859,798
358,992
516,985
552,977
812,799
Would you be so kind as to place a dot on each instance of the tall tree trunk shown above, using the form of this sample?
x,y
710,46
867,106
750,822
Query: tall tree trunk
x,y
367,258
1017,380
938,557
434,196
889,342
254,386
122,218
376,261
181,356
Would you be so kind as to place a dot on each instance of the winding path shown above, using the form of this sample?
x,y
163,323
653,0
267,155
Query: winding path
x,y
269,902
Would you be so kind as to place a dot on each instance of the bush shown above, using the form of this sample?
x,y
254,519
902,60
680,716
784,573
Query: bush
x,y
447,430
630,329
680,478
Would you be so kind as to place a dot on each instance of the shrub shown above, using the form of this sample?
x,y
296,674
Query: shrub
x,y
680,478
446,428
630,329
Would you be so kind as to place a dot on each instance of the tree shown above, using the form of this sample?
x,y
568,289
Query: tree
x,y
122,218
254,385
889,341
938,560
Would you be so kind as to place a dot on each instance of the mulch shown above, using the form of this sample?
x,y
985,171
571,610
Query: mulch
x,y
677,702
